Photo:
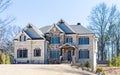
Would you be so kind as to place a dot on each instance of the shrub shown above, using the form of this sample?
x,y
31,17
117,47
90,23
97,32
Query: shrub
x,y
109,63
1,58
88,65
99,69
116,61
7,59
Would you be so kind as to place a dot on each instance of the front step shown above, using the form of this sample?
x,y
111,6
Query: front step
x,y
66,62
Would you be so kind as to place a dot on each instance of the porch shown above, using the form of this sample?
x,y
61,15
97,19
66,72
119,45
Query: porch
x,y
67,53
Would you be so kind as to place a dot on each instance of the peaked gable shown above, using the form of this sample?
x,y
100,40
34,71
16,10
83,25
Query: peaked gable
x,y
33,32
65,27
22,33
54,27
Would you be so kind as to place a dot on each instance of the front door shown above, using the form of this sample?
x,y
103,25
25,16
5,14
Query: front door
x,y
69,56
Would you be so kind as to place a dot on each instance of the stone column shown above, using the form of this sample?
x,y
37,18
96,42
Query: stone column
x,y
60,60
73,51
73,57
61,52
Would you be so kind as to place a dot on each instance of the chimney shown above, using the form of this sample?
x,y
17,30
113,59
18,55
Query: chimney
x,y
78,23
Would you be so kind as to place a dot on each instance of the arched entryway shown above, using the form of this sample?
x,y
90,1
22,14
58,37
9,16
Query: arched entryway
x,y
67,51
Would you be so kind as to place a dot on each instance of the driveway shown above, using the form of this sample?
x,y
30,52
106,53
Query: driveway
x,y
41,69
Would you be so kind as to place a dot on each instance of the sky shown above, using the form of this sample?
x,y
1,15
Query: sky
x,y
47,12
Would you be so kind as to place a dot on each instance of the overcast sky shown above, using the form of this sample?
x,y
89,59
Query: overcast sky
x,y
46,12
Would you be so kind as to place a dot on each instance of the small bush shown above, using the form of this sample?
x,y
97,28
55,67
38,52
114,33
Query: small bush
x,y
116,61
88,65
109,63
1,58
99,69
7,59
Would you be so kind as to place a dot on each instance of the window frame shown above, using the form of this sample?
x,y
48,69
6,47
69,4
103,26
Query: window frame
x,y
69,41
22,38
22,53
86,56
35,51
53,40
54,54
85,41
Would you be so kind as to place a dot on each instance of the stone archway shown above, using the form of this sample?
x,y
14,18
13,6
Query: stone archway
x,y
67,51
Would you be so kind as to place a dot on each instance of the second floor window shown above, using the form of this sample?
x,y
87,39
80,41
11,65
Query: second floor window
x,y
22,38
22,53
83,40
69,40
55,40
37,52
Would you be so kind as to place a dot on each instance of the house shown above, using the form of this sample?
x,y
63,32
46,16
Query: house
x,y
57,43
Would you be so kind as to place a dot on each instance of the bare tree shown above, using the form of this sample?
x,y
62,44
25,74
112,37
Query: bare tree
x,y
4,4
100,19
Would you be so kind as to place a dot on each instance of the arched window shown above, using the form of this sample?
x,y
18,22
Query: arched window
x,y
22,38
22,53
37,52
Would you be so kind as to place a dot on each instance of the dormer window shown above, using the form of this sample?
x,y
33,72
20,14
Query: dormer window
x,y
22,38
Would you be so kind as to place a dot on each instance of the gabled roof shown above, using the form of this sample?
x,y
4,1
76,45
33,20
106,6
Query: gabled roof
x,y
65,27
80,29
22,32
33,32
56,27
68,29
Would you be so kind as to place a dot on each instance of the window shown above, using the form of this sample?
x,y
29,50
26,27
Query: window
x,y
37,52
69,40
83,40
22,38
55,40
22,53
83,54
55,54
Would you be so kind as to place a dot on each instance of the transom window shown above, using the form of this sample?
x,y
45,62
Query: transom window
x,y
55,40
83,40
54,54
22,38
22,53
37,52
69,40
83,54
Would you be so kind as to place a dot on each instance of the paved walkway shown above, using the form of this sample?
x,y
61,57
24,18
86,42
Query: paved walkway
x,y
42,69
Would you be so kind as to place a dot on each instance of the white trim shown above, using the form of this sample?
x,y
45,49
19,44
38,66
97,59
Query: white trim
x,y
56,26
67,44
22,32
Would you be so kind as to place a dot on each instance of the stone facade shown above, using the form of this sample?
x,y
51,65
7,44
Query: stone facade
x,y
68,51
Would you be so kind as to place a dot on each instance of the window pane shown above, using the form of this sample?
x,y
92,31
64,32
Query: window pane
x,y
83,54
37,52
83,40
22,38
54,40
24,52
69,40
